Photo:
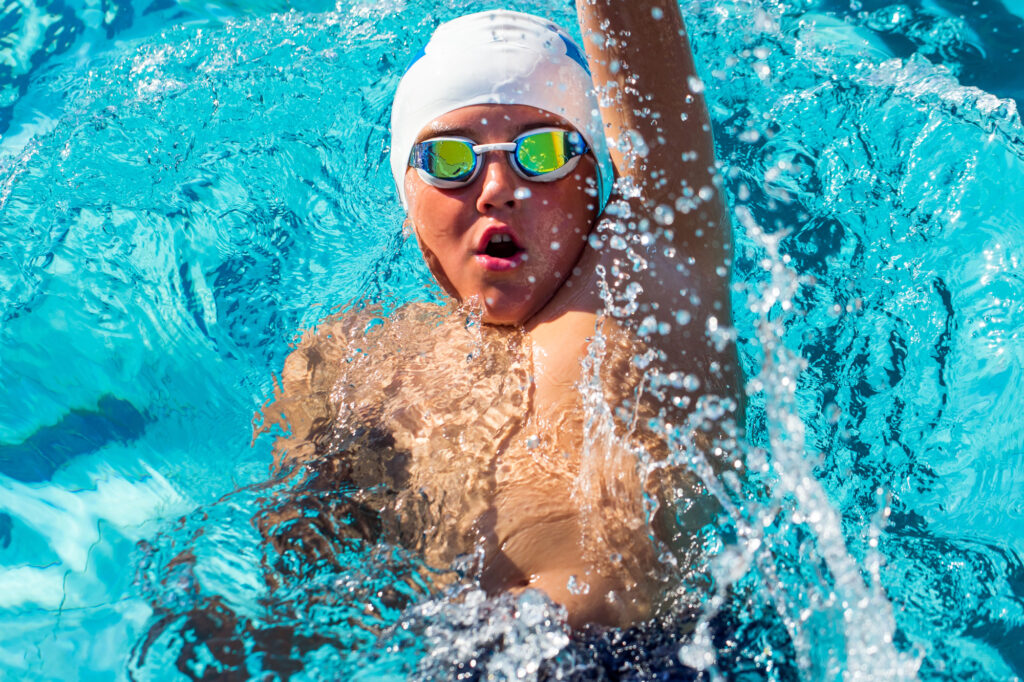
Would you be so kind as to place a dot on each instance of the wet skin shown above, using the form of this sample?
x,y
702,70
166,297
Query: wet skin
x,y
548,220
535,519
551,292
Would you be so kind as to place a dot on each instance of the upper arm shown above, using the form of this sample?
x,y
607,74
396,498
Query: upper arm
x,y
302,406
644,72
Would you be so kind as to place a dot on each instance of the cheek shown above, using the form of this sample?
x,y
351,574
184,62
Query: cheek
x,y
411,185
569,216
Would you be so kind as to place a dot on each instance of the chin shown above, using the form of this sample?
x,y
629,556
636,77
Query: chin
x,y
503,319
506,315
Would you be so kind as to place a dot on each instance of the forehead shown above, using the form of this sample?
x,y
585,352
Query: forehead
x,y
491,122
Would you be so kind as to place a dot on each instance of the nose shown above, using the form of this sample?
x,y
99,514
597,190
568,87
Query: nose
x,y
499,183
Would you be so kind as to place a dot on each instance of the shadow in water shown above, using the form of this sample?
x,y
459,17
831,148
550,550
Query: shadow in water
x,y
79,432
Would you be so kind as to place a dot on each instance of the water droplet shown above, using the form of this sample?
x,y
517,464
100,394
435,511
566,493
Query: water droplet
x,y
522,193
682,316
706,193
577,586
684,205
691,382
657,13
555,246
664,215
712,407
696,85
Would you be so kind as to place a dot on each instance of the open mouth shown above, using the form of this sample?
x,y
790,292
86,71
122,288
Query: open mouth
x,y
502,246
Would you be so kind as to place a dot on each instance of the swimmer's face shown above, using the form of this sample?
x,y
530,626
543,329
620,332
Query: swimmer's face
x,y
508,241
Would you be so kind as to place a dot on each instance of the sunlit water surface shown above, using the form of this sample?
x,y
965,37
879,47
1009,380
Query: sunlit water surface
x,y
185,187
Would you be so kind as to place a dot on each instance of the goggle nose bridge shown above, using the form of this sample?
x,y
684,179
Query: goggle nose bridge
x,y
495,147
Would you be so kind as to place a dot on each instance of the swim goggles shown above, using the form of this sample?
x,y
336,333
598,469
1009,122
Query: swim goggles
x,y
540,155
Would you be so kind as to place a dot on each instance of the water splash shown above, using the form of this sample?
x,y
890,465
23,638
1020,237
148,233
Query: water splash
x,y
168,258
868,626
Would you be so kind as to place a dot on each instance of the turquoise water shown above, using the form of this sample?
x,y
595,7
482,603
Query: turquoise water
x,y
185,187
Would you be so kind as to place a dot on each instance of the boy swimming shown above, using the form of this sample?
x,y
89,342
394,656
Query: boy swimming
x,y
468,430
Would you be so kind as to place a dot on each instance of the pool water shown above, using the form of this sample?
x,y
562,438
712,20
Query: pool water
x,y
185,187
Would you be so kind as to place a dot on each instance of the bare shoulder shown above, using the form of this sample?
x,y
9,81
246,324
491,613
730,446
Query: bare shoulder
x,y
338,373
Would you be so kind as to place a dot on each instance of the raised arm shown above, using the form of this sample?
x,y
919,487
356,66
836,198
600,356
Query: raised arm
x,y
652,102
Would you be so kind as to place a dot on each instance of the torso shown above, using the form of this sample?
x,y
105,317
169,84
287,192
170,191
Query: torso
x,y
487,445
487,424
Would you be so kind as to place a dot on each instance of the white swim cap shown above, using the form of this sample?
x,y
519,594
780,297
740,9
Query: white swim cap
x,y
497,57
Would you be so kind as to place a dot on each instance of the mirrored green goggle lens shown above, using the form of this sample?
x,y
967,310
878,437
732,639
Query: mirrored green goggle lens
x,y
449,159
544,152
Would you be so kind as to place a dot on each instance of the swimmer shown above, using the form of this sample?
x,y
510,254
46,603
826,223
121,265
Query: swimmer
x,y
460,431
